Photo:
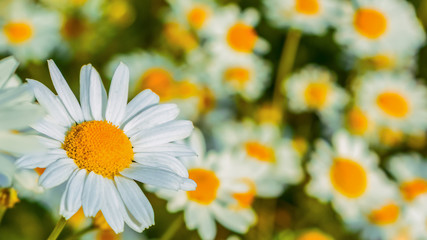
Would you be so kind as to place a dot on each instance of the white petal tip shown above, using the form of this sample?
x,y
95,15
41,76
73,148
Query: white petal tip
x,y
188,185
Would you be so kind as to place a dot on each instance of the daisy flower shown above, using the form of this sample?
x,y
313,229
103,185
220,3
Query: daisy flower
x,y
345,174
100,146
247,76
214,197
309,16
263,146
377,27
313,88
17,112
393,100
233,32
28,31
359,123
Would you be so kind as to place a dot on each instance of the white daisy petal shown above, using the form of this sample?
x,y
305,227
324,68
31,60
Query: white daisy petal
x,y
158,177
93,191
20,94
40,160
143,100
97,96
163,133
207,226
162,161
85,75
18,117
50,129
72,198
118,95
64,92
7,68
113,207
48,142
57,173
175,149
231,219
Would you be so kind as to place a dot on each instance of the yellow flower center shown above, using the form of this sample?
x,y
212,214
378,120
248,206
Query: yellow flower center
x,y
357,121
207,186
314,235
242,37
393,104
185,89
178,36
385,215
412,189
370,23
308,7
197,16
391,137
348,177
269,113
159,81
207,100
99,146
18,32
245,199
237,76
260,152
315,94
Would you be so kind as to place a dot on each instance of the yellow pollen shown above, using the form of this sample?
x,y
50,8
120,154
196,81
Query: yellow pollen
x,y
393,104
314,235
370,23
18,32
385,215
315,94
357,121
99,146
412,189
260,152
237,76
197,16
159,81
348,177
207,186
245,199
308,7
242,37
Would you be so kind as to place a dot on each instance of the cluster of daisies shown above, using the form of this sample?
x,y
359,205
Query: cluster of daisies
x,y
92,159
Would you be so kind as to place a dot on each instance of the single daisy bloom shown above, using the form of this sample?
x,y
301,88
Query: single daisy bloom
x,y
376,27
263,146
100,146
345,174
217,196
313,88
28,31
359,123
233,32
308,16
247,76
17,112
393,100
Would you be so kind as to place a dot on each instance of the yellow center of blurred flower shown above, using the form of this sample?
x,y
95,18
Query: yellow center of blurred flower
x,y
383,61
18,32
207,186
357,121
308,7
412,189
8,198
185,89
207,100
390,137
245,199
99,146
197,16
237,76
242,37
260,152
159,81
370,23
348,177
178,36
269,113
314,235
315,94
385,215
393,104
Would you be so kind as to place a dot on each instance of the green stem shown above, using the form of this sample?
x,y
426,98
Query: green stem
x,y
422,12
82,232
58,229
2,212
173,228
289,51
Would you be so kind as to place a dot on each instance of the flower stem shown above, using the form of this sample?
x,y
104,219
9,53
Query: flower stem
x,y
286,63
2,212
173,228
58,229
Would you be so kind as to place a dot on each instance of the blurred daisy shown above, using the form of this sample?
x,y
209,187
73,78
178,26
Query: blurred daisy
x,y
313,234
377,27
359,123
314,89
29,32
247,76
101,146
309,16
233,32
264,147
393,100
345,174
211,200
17,112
